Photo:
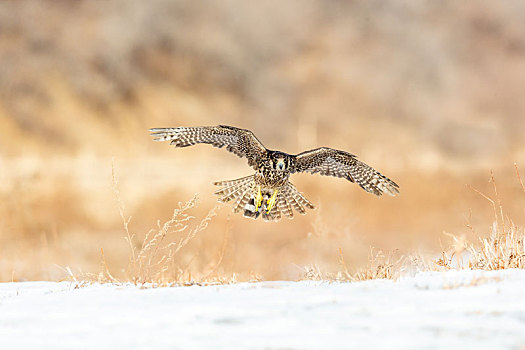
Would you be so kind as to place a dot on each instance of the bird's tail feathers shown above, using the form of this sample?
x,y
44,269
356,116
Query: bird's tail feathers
x,y
297,200
243,192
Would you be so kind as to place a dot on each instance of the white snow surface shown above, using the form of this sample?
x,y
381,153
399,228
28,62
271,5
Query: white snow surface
x,y
432,310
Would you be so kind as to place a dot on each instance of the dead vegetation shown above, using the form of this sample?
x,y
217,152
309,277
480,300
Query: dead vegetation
x,y
182,250
196,246
156,261
73,99
502,248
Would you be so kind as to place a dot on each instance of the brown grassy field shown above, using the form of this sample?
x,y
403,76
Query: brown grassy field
x,y
430,95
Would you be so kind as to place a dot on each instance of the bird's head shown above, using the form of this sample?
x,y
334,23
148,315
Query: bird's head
x,y
280,161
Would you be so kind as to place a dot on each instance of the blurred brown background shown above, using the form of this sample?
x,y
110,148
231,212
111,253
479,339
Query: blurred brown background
x,y
429,93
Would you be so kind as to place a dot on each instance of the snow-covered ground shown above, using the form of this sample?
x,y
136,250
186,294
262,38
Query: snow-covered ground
x,y
453,310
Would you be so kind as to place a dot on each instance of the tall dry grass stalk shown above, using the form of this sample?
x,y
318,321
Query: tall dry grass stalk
x,y
155,261
504,248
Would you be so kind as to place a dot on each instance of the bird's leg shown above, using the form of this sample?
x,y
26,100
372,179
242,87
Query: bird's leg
x,y
258,198
271,202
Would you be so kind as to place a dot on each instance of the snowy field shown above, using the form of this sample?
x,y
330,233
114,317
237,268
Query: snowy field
x,y
453,310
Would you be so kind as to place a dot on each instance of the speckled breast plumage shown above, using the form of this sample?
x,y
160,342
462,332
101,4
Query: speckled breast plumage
x,y
271,179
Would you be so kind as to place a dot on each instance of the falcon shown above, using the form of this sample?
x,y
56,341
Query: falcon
x,y
268,192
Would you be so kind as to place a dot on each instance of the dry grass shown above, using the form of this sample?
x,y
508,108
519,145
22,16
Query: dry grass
x,y
504,248
68,108
381,265
156,261
193,245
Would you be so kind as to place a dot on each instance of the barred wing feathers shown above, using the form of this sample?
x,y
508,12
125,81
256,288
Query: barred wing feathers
x,y
332,162
241,142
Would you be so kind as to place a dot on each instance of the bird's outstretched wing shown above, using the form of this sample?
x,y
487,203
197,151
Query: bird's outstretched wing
x,y
332,162
242,142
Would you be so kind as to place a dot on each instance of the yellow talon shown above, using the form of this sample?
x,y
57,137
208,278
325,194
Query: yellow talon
x,y
271,202
258,199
